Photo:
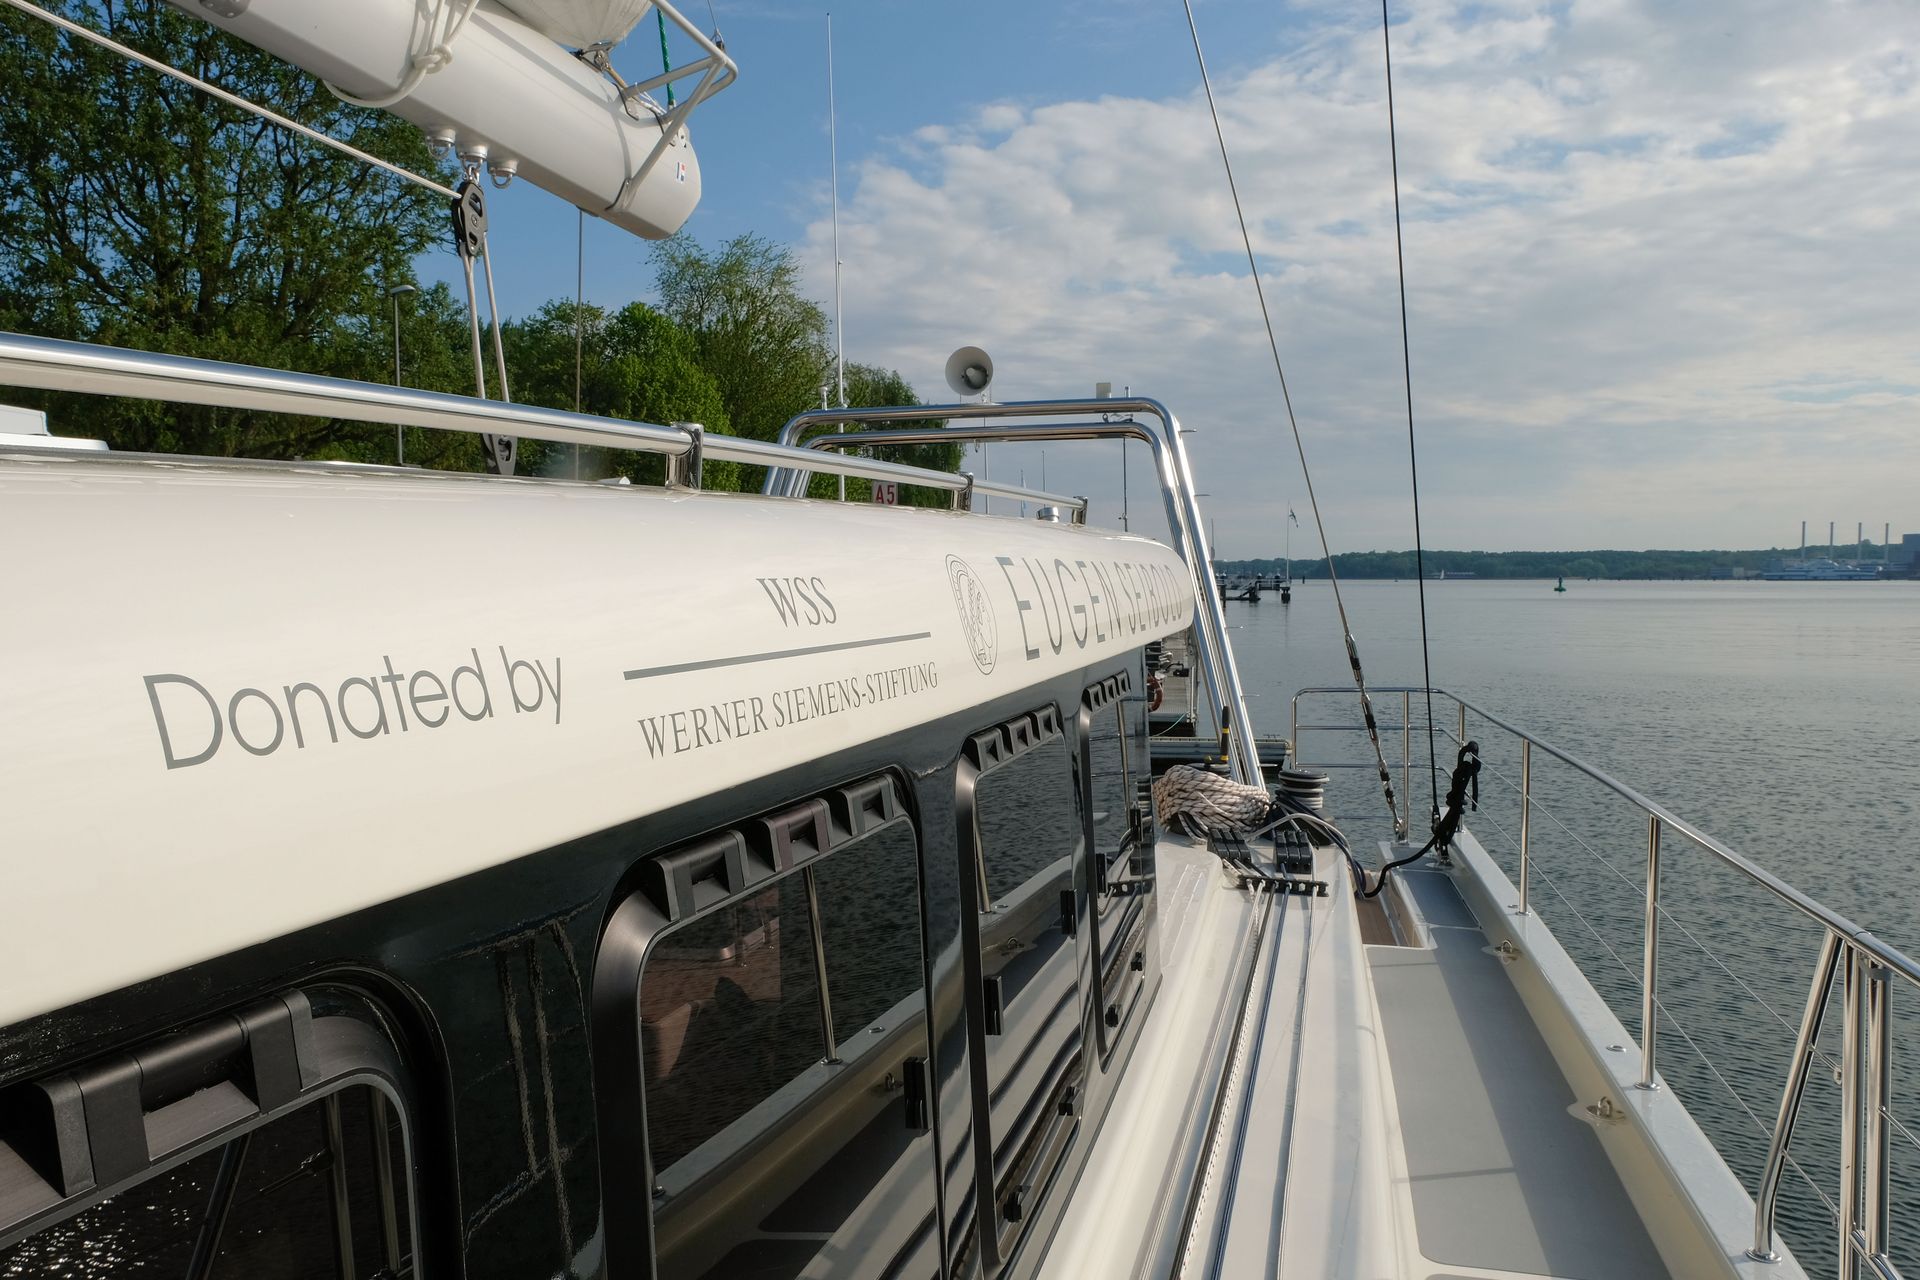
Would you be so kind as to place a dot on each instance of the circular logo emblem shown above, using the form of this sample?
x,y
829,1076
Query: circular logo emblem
x,y
976,613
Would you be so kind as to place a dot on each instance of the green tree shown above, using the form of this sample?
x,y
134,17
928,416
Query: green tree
x,y
872,385
763,342
635,364
140,212
765,345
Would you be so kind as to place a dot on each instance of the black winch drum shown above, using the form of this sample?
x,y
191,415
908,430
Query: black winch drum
x,y
1304,787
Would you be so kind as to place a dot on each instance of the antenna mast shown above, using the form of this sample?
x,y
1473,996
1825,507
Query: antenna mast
x,y
833,182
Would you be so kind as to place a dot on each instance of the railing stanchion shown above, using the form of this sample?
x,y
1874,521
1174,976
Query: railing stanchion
x,y
1650,961
1463,722
1878,1070
1526,814
1406,753
1853,1007
1293,732
1799,1067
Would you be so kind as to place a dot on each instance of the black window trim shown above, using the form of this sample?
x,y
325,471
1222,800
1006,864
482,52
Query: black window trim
x,y
90,1131
674,886
984,752
1115,871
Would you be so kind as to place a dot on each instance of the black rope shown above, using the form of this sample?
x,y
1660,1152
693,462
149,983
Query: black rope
x,y
1413,455
1466,776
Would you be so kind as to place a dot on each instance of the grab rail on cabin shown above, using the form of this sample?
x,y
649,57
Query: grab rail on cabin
x,y
964,423
57,364
1863,963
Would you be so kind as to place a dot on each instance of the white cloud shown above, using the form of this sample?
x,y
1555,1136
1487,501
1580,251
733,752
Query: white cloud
x,y
1661,267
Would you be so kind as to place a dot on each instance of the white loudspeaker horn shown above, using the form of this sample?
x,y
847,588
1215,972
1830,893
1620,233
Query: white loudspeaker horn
x,y
969,370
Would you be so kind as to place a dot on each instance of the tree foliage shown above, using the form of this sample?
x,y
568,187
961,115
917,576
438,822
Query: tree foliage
x,y
140,212
633,363
764,342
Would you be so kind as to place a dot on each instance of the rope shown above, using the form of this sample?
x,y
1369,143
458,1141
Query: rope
x,y
227,96
423,64
666,60
1466,774
1413,455
1286,398
1192,800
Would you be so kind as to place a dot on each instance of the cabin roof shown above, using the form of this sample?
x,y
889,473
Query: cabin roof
x,y
404,677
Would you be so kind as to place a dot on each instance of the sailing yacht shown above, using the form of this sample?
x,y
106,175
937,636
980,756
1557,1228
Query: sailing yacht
x,y
768,887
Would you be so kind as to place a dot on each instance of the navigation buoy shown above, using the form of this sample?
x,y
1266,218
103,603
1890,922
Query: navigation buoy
x,y
1561,585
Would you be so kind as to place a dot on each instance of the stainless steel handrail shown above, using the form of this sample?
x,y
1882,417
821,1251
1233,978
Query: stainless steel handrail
x,y
962,422
55,364
1861,961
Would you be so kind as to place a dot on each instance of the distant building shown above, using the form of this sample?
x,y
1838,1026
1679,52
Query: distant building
x,y
1903,557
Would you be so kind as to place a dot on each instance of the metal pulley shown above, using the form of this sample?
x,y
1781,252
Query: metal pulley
x,y
469,214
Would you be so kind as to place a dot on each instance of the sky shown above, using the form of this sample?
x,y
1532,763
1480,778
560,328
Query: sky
x,y
1662,259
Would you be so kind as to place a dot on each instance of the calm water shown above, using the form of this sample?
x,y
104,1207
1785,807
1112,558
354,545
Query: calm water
x,y
1783,718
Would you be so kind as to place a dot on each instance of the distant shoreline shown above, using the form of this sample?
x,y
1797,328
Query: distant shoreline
x,y
1587,566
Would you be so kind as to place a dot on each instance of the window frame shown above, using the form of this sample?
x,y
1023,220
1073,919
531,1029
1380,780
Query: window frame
x,y
1045,1147
197,1090
1124,872
688,880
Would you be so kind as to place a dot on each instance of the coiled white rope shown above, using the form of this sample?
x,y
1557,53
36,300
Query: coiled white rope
x,y
1192,800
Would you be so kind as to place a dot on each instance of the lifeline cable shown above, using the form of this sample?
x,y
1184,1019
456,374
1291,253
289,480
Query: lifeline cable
x,y
1413,456
1286,398
226,95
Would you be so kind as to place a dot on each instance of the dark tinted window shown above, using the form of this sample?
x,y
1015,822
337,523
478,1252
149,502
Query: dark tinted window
x,y
1107,763
283,1220
870,909
1028,819
729,1010
832,1172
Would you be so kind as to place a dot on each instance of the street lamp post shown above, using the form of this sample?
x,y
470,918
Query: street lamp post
x,y
399,433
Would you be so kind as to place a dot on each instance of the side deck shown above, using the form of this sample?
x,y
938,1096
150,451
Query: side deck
x,y
1425,1091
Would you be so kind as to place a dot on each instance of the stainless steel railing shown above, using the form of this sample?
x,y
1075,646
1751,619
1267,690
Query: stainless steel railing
x,y
1864,964
54,364
1104,419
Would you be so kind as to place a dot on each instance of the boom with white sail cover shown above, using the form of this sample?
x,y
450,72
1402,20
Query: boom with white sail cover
x,y
501,80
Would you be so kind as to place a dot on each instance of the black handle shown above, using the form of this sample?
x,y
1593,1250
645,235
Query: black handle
x,y
990,989
913,1074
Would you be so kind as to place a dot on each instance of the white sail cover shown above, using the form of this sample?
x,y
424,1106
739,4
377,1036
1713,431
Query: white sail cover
x,y
579,23
501,87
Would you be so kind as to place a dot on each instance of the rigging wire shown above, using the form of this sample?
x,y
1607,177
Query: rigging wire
x,y
1293,422
1413,454
227,96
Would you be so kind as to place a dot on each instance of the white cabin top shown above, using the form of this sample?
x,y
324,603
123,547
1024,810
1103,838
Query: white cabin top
x,y
264,669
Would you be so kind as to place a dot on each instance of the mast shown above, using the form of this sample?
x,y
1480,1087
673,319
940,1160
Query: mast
x,y
833,183
833,150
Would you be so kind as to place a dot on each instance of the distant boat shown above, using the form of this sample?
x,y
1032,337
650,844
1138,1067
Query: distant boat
x,y
1818,571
